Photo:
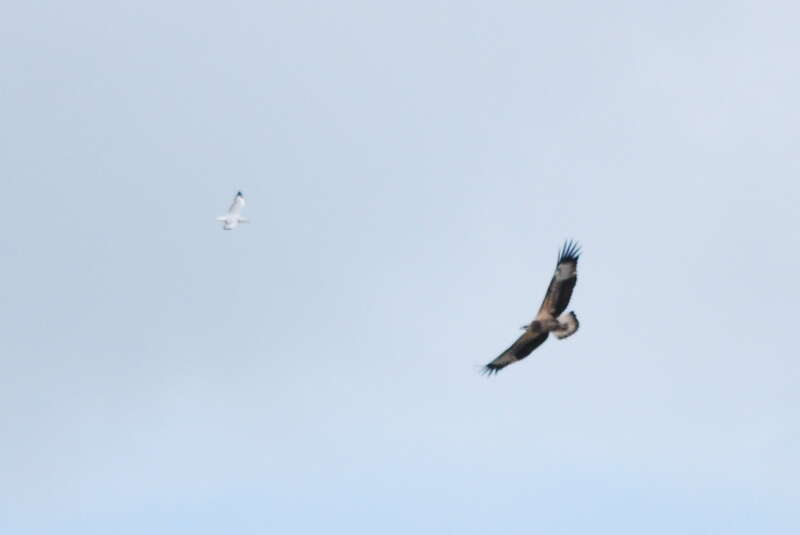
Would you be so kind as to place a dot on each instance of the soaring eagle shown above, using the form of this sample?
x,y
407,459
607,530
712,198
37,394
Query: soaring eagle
x,y
549,318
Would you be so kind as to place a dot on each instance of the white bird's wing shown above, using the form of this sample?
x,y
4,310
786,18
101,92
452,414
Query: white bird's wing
x,y
238,204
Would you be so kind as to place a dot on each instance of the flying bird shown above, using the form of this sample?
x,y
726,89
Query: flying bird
x,y
549,319
232,219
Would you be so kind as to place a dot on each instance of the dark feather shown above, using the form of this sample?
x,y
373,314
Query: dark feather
x,y
559,292
520,349
569,252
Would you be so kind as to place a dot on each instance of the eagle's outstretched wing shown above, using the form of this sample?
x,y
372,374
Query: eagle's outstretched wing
x,y
561,285
520,349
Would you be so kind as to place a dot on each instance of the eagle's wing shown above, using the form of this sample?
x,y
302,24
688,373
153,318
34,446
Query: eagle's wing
x,y
567,325
520,349
560,290
238,204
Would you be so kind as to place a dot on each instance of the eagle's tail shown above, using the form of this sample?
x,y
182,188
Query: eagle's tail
x,y
568,324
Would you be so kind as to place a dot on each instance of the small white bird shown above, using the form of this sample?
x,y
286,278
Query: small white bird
x,y
232,219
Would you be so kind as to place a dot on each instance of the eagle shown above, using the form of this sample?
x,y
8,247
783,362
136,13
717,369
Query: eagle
x,y
549,319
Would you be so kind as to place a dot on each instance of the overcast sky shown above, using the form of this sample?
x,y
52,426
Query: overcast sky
x,y
411,170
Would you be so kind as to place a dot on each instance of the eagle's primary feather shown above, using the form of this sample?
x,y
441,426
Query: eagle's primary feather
x,y
549,317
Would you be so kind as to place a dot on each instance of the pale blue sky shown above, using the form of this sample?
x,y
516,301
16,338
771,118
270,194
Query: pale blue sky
x,y
411,170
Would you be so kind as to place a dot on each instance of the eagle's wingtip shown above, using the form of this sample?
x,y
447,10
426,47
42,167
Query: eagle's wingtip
x,y
489,370
571,250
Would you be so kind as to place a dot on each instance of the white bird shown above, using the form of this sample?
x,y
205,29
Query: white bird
x,y
232,219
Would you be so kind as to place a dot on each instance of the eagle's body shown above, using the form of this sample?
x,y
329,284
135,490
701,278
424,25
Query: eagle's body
x,y
549,318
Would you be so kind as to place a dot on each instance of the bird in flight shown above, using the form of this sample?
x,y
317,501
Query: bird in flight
x,y
549,318
232,219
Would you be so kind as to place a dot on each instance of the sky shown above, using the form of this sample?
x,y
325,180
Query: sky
x,y
411,170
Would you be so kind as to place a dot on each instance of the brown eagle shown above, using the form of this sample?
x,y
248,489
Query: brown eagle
x,y
548,319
